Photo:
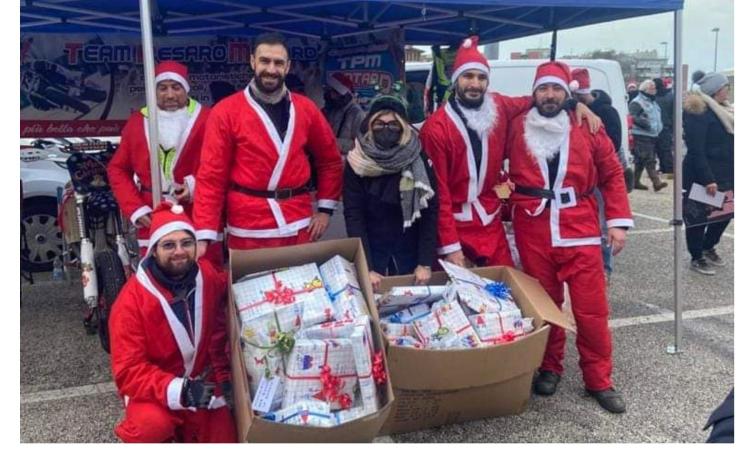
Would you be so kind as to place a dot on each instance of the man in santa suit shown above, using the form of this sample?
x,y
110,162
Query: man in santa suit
x,y
465,139
255,161
555,167
181,122
168,340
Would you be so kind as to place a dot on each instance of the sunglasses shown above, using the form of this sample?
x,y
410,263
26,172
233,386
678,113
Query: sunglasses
x,y
393,125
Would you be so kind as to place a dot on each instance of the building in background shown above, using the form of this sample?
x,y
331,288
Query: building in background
x,y
531,53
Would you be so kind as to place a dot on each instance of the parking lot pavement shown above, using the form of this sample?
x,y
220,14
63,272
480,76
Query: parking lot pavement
x,y
67,394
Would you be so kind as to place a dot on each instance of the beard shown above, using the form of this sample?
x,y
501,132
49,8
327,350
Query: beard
x,y
175,267
549,107
470,102
268,83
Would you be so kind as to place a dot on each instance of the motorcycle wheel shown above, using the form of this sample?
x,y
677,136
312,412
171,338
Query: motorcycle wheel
x,y
111,279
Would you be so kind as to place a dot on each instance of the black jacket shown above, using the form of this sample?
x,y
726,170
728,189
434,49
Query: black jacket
x,y
710,148
372,209
665,100
602,107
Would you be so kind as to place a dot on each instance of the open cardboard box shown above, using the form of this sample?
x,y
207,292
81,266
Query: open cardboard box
x,y
439,387
251,428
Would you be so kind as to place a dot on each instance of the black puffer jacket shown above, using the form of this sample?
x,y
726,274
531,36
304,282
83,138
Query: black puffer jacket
x,y
710,148
602,107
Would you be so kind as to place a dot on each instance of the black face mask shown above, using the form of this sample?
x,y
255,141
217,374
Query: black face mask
x,y
386,138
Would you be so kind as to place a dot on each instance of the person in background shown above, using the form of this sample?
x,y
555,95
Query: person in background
x,y
632,89
342,111
708,120
390,199
646,128
665,142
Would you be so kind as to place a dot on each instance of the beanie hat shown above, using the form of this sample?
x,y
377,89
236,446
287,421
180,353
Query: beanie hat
x,y
583,79
340,83
711,83
386,101
166,219
469,57
172,70
555,72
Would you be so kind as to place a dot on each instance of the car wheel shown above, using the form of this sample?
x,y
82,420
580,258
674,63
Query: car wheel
x,y
43,235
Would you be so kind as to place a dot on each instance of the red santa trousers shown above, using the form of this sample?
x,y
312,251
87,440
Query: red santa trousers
x,y
147,422
582,268
484,245
238,243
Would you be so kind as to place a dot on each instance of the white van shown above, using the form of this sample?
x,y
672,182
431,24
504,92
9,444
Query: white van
x,y
515,78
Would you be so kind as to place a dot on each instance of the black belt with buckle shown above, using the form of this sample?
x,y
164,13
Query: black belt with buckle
x,y
279,194
549,194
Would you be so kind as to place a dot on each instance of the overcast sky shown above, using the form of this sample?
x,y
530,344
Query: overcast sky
x,y
646,33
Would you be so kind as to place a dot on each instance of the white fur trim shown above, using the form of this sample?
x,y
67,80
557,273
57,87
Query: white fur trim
x,y
140,212
456,246
336,85
177,209
611,223
583,91
289,230
330,204
174,76
143,243
166,229
190,182
174,392
574,85
467,43
207,235
551,79
469,66
544,136
483,119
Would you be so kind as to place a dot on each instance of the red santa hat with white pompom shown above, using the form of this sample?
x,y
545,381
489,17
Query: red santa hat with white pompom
x,y
168,218
172,70
469,57
555,72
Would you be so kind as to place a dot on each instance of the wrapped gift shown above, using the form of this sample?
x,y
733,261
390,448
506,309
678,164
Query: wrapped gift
x,y
405,341
266,339
498,327
363,354
328,330
322,369
304,412
394,330
349,304
447,324
404,296
338,273
347,415
257,295
408,315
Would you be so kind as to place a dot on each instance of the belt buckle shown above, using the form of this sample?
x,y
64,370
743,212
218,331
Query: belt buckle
x,y
565,197
282,194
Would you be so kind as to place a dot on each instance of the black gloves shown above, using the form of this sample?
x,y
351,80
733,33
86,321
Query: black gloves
x,y
196,393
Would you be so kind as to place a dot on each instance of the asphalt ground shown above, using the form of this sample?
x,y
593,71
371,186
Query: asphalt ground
x,y
67,394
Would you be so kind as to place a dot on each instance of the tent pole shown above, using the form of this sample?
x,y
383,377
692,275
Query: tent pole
x,y
553,47
148,78
677,188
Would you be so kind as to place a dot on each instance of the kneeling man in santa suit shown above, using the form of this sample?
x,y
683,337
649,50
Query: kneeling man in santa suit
x,y
555,167
168,339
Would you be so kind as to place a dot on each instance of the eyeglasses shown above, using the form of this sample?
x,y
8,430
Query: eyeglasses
x,y
393,125
170,246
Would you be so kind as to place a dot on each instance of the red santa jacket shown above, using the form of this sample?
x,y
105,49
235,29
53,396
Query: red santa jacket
x,y
242,146
152,351
587,161
467,196
132,157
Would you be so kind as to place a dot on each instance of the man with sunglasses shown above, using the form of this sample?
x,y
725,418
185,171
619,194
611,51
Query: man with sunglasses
x,y
169,342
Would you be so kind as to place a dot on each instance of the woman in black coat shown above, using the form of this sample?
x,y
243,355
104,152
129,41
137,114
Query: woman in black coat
x,y
708,120
390,200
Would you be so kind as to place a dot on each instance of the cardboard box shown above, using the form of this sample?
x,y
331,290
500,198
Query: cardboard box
x,y
460,385
251,428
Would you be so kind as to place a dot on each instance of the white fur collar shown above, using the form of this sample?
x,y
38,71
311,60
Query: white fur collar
x,y
544,135
481,119
171,126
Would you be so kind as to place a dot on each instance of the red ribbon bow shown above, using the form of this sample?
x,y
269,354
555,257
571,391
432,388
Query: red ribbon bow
x,y
378,368
280,295
331,387
508,336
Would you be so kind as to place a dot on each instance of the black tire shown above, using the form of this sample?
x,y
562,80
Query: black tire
x,y
110,278
43,234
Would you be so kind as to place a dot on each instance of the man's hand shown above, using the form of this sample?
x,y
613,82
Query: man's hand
x,y
594,121
375,279
456,258
144,221
181,193
202,246
196,393
318,225
422,275
711,189
616,239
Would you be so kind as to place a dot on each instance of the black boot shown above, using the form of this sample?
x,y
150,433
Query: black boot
x,y
654,175
546,383
609,399
638,185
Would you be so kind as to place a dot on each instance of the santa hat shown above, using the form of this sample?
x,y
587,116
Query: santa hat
x,y
583,79
166,219
340,83
469,57
555,72
172,70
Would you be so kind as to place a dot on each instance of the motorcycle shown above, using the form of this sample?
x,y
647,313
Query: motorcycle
x,y
105,258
